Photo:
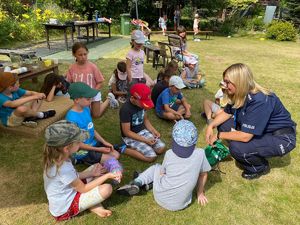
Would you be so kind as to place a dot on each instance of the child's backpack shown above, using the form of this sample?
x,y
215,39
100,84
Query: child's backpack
x,y
216,153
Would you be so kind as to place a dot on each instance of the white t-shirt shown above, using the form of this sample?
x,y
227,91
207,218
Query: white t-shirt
x,y
137,63
58,188
174,189
112,80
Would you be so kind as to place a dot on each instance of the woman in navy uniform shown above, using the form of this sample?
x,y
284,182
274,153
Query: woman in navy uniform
x,y
255,123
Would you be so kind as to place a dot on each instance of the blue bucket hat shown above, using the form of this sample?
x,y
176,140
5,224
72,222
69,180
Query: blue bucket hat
x,y
184,138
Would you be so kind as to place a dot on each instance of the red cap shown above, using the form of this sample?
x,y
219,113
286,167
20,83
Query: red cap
x,y
143,93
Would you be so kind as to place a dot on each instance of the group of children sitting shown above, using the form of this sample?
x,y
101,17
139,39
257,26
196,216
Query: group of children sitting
x,y
75,140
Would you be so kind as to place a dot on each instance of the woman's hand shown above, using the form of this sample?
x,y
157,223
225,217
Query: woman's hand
x,y
209,135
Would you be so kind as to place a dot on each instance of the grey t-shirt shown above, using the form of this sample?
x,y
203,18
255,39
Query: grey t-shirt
x,y
173,190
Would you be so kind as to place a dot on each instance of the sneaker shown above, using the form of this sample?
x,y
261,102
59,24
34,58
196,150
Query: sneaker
x,y
120,148
122,99
113,102
49,113
203,115
251,176
145,187
128,190
30,123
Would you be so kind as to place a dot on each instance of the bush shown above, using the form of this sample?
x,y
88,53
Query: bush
x,y
256,24
281,31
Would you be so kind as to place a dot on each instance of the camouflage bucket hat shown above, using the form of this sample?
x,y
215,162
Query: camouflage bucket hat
x,y
63,133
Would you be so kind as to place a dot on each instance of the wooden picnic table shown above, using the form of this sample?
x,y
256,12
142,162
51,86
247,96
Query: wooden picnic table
x,y
94,26
63,27
33,73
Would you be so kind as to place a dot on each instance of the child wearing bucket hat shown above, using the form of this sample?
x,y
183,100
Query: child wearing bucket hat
x,y
67,192
170,104
183,167
19,106
143,140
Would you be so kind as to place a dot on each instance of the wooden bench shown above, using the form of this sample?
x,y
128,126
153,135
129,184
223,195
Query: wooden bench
x,y
207,33
60,104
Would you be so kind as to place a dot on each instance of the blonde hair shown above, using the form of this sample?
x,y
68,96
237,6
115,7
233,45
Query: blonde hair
x,y
241,76
54,156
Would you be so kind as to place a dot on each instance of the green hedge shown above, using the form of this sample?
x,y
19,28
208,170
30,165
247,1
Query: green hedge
x,y
281,31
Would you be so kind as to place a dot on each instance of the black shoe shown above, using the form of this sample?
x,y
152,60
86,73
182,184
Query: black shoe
x,y
145,187
120,148
128,190
203,115
49,113
251,176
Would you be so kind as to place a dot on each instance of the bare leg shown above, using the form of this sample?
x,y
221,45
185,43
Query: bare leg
x,y
171,116
207,105
98,108
36,105
105,191
101,211
24,111
139,156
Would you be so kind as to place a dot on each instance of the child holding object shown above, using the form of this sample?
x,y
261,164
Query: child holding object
x,y
118,82
19,106
189,75
95,149
54,85
184,167
68,192
170,104
87,72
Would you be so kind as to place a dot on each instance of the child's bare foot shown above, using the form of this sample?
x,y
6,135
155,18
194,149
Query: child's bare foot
x,y
100,211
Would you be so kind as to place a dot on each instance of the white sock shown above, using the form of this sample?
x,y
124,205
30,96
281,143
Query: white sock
x,y
40,115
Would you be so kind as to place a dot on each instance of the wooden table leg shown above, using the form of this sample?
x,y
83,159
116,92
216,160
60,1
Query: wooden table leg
x,y
87,34
72,35
109,34
47,38
93,26
66,38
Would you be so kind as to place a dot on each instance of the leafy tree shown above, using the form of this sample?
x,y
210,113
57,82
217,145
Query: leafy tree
x,y
293,11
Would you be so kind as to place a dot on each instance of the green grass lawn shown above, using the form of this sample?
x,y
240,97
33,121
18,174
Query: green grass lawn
x,y
273,199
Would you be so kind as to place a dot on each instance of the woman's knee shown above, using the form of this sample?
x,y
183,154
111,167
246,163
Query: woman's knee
x,y
105,190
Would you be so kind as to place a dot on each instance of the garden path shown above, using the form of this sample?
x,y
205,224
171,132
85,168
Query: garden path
x,y
97,49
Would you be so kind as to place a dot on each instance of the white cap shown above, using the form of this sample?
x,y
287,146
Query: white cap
x,y
138,36
191,60
177,82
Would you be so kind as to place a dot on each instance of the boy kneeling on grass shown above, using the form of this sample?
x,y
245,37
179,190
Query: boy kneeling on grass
x,y
19,106
183,167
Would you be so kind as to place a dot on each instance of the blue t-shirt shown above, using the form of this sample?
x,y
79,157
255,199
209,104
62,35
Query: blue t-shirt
x,y
84,121
166,98
261,114
5,112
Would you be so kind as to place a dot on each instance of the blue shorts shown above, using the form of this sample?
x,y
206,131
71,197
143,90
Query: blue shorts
x,y
160,114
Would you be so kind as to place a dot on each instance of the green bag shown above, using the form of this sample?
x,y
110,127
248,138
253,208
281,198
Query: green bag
x,y
215,154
